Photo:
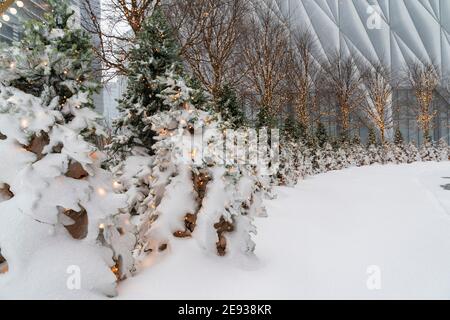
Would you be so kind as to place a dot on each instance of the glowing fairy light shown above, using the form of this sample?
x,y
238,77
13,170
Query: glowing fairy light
x,y
194,153
19,4
116,185
6,17
101,192
24,123
93,156
13,11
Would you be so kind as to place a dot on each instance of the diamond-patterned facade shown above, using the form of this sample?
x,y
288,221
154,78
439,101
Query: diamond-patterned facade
x,y
389,31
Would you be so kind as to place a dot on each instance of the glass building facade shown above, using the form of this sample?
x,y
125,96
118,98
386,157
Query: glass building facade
x,y
393,32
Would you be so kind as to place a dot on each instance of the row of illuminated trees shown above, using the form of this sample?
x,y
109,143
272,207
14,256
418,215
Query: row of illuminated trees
x,y
250,48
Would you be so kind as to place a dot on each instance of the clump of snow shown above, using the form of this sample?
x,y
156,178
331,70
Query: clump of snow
x,y
37,150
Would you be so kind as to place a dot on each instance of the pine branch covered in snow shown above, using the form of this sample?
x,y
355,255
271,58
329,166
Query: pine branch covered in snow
x,y
195,193
54,62
154,54
58,207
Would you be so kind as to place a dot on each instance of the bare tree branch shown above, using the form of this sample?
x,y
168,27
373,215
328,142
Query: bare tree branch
x,y
123,19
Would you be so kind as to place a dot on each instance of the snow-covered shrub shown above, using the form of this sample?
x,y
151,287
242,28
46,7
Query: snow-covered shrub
x,y
56,200
428,152
375,155
324,159
442,150
388,153
154,54
400,154
342,157
412,153
196,194
59,196
288,172
305,162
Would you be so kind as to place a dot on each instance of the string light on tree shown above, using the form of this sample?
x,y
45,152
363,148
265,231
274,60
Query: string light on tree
x,y
24,123
68,189
194,153
116,185
93,156
101,192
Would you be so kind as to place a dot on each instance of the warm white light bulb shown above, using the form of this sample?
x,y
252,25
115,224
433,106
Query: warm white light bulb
x,y
13,10
19,4
6,17
101,192
24,123
116,185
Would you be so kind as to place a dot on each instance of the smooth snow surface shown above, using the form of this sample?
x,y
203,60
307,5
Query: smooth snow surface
x,y
320,240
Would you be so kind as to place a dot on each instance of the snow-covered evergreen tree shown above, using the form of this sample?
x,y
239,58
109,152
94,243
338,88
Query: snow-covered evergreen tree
x,y
153,55
428,152
356,139
372,138
196,194
412,153
230,107
288,174
398,137
341,154
375,154
60,198
400,155
357,155
321,135
305,161
325,159
52,61
60,207
442,150
352,155
388,153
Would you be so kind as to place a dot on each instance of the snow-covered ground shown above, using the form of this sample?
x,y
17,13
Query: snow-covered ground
x,y
326,238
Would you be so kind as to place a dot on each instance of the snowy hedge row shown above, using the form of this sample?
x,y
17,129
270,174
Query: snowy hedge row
x,y
299,161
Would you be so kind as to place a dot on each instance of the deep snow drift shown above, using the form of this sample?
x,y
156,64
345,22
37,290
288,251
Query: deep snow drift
x,y
320,240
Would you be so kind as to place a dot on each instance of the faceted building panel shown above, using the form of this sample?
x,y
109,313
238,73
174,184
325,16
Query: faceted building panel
x,y
394,32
